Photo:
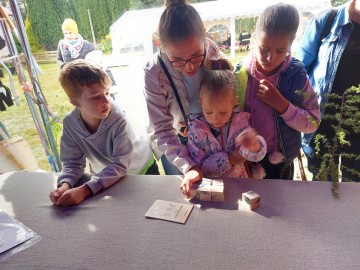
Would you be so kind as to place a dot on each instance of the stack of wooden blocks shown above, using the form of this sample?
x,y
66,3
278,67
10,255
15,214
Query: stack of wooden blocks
x,y
209,190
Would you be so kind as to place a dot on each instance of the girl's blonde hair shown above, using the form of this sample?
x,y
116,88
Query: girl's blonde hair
x,y
219,78
278,19
179,21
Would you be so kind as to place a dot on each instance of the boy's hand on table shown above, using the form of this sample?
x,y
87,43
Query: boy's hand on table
x,y
192,176
56,194
74,196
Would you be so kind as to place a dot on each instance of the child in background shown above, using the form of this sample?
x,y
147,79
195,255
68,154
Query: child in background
x,y
276,90
221,135
97,131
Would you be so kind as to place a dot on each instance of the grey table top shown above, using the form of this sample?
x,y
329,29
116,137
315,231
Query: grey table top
x,y
299,225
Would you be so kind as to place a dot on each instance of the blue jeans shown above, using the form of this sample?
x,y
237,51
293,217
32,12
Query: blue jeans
x,y
169,168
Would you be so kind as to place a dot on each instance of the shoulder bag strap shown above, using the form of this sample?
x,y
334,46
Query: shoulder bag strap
x,y
174,89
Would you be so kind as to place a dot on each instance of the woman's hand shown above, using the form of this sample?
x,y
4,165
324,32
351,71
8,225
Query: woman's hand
x,y
192,176
271,96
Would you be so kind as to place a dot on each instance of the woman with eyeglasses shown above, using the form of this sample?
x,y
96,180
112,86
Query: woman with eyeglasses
x,y
172,80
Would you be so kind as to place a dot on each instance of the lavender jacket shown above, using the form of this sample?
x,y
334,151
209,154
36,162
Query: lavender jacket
x,y
164,111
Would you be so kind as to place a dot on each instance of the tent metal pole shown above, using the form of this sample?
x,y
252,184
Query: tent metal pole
x,y
47,136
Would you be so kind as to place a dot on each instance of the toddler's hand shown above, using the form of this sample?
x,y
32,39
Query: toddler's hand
x,y
192,176
248,139
271,96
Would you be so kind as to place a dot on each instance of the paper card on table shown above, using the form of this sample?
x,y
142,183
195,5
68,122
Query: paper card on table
x,y
176,212
12,232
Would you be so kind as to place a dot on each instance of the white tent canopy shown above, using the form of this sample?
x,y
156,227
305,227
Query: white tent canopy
x,y
134,29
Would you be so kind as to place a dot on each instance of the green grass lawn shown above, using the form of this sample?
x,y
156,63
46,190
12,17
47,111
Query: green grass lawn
x,y
18,119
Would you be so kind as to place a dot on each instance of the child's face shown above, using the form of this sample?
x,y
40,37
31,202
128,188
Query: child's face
x,y
271,51
94,103
191,49
69,35
217,109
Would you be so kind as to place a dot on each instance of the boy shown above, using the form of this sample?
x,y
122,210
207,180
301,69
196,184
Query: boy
x,y
97,131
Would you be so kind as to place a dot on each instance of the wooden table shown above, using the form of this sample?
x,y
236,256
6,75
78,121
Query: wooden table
x,y
299,225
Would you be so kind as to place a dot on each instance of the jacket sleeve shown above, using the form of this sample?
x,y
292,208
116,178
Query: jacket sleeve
x,y
309,45
161,131
254,156
306,118
59,58
72,158
123,147
215,164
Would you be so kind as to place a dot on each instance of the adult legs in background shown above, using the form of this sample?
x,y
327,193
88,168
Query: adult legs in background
x,y
284,171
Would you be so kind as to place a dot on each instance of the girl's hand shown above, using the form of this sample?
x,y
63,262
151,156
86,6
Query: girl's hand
x,y
183,130
271,96
192,176
248,139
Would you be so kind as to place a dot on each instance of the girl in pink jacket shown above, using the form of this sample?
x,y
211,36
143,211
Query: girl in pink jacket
x,y
222,133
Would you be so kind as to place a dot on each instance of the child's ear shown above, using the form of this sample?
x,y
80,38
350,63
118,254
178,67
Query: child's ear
x,y
74,102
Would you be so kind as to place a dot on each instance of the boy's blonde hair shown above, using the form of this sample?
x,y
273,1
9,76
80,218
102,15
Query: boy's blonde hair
x,y
79,73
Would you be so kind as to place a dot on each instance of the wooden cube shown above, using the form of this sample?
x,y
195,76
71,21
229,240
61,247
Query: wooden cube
x,y
217,193
251,199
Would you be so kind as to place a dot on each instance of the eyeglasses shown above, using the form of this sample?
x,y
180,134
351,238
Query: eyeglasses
x,y
192,60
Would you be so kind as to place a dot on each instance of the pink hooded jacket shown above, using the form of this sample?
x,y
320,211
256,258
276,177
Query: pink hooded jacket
x,y
208,154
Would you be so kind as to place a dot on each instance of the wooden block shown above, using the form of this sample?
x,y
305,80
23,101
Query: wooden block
x,y
205,193
217,193
205,182
251,199
218,182
208,190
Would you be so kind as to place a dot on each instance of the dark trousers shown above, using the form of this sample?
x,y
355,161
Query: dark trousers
x,y
283,171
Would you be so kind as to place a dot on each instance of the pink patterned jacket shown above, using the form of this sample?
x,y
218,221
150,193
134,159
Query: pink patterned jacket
x,y
208,154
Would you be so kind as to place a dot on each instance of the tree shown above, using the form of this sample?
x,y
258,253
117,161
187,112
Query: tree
x,y
46,17
336,3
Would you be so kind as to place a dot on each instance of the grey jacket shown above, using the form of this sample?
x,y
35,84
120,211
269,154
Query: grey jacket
x,y
109,150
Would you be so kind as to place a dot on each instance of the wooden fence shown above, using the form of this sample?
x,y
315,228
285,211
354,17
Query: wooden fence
x,y
47,56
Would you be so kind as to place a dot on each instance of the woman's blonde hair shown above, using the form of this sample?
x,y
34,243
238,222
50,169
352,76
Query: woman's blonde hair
x,y
71,25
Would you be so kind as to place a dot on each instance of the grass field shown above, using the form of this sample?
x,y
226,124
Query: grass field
x,y
18,119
